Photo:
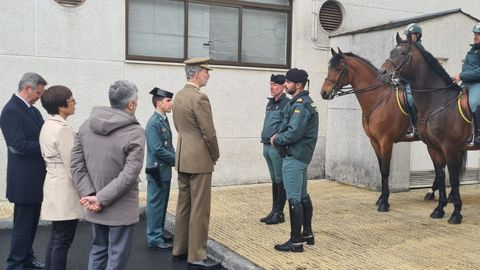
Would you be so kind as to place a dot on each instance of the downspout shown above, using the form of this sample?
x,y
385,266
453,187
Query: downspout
x,y
315,22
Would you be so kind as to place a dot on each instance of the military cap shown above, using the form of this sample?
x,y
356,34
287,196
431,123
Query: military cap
x,y
161,93
198,61
297,75
279,78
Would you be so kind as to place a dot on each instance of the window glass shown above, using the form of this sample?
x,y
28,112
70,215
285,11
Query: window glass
x,y
276,2
264,35
213,32
156,28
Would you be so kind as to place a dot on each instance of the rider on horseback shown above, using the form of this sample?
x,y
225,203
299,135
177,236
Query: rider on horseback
x,y
470,77
413,33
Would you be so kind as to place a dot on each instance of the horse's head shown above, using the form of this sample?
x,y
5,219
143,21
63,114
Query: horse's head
x,y
337,75
400,63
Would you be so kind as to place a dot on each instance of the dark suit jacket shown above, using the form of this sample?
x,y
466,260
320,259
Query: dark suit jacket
x,y
26,169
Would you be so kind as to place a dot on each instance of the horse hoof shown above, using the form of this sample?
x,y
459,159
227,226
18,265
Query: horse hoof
x,y
429,196
384,207
437,214
377,203
454,219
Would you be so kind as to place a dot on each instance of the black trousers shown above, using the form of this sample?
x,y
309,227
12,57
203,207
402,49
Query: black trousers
x,y
25,222
61,237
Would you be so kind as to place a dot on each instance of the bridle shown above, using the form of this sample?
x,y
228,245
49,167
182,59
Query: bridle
x,y
339,90
398,69
337,84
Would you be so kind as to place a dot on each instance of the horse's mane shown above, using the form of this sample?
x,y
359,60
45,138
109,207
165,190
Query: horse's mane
x,y
437,68
335,61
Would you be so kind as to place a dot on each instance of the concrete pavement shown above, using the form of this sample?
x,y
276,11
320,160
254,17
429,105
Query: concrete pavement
x,y
349,232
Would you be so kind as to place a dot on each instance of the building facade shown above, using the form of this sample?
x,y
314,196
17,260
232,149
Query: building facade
x,y
88,46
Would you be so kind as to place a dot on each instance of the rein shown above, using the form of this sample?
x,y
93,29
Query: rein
x,y
349,90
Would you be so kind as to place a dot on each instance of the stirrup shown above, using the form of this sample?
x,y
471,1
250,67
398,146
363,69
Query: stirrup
x,y
412,134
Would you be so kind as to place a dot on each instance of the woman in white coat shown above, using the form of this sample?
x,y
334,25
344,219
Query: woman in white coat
x,y
61,200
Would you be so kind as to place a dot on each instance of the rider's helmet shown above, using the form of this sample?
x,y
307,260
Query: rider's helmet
x,y
413,28
476,28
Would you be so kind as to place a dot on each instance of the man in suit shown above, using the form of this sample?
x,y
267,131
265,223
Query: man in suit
x,y
21,122
197,153
161,158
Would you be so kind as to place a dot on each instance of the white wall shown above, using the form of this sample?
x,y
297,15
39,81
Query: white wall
x,y
84,48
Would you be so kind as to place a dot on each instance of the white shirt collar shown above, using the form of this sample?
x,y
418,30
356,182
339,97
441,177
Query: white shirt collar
x,y
28,104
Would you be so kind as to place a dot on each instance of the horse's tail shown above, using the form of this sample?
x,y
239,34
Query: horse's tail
x,y
463,168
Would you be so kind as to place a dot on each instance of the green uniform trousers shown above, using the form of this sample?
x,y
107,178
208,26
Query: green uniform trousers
x,y
295,178
274,162
157,203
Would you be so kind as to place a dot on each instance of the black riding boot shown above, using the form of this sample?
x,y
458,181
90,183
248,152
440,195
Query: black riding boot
x,y
476,117
274,202
294,244
413,122
278,217
307,234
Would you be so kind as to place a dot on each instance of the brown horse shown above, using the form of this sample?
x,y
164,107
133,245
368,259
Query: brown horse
x,y
440,124
382,118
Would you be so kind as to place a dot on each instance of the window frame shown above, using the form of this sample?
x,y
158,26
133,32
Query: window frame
x,y
241,5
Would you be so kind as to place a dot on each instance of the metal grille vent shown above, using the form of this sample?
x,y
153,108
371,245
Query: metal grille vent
x,y
70,3
330,16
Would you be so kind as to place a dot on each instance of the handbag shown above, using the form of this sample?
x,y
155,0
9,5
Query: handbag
x,y
153,171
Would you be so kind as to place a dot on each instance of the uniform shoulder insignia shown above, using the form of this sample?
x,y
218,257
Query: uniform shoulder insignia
x,y
300,100
296,111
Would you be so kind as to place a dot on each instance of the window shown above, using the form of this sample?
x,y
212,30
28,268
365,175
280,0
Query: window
x,y
241,33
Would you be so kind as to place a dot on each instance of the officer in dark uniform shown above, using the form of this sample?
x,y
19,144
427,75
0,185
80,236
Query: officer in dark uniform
x,y
296,140
470,77
273,118
414,33
160,159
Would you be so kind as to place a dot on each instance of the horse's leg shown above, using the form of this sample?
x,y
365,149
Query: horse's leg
x,y
455,162
376,148
384,156
430,196
439,163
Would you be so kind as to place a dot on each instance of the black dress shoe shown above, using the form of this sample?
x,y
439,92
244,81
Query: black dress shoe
x,y
181,257
289,246
167,239
277,218
34,264
205,264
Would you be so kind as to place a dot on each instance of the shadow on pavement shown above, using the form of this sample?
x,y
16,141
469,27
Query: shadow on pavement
x,y
140,257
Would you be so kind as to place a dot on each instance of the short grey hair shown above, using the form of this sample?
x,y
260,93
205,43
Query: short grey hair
x,y
190,71
121,93
31,79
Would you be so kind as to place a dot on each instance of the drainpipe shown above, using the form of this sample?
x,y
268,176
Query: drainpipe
x,y
315,24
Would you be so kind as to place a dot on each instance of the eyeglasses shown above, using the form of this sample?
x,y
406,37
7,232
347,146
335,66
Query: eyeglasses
x,y
72,100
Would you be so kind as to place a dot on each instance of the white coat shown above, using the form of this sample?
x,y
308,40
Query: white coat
x,y
60,198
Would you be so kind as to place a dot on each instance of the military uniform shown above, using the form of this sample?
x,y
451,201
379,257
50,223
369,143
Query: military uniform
x,y
411,29
297,140
274,115
160,152
470,77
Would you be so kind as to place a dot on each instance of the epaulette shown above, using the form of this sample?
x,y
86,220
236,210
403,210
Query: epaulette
x,y
300,100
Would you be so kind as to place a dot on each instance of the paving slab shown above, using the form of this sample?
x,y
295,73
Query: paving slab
x,y
349,232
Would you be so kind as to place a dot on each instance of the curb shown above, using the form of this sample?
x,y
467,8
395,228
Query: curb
x,y
215,250
218,252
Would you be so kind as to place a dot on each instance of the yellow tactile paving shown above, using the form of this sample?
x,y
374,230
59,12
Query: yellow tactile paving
x,y
349,232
